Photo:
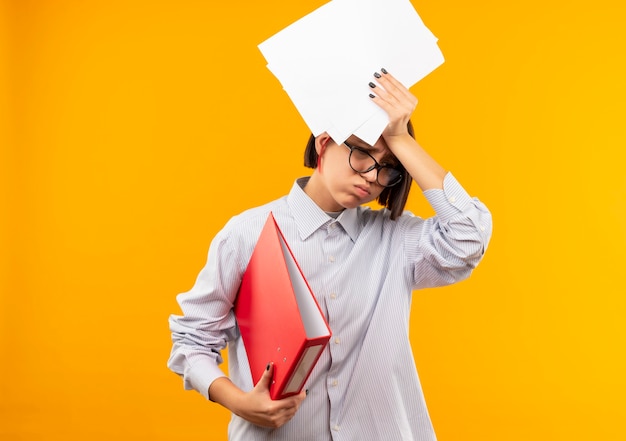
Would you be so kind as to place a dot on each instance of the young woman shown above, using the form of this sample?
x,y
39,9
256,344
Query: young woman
x,y
362,265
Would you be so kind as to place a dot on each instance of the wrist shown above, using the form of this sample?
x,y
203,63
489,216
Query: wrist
x,y
224,392
399,141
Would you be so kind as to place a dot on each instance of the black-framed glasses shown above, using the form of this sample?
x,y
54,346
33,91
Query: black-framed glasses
x,y
362,162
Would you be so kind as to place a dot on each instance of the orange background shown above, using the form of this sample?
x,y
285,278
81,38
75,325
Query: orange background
x,y
132,130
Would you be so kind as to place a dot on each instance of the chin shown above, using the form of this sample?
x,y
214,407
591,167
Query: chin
x,y
353,203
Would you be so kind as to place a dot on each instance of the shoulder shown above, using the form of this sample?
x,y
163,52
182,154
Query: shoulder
x,y
381,218
235,242
247,225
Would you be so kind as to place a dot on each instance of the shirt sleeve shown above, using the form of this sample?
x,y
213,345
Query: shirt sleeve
x,y
208,321
445,249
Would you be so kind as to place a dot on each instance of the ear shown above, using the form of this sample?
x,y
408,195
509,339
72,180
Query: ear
x,y
321,141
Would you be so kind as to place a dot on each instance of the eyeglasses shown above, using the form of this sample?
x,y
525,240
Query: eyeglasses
x,y
362,162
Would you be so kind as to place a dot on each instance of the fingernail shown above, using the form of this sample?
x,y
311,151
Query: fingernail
x,y
376,74
383,70
372,85
267,368
372,95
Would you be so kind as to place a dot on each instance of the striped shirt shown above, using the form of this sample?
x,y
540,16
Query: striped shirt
x,y
362,267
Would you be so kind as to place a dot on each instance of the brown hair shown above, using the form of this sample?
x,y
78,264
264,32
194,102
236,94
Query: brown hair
x,y
394,198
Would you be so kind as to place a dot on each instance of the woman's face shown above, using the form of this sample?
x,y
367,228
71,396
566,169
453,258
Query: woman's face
x,y
344,187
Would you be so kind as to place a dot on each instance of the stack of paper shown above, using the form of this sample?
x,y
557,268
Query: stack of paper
x,y
326,59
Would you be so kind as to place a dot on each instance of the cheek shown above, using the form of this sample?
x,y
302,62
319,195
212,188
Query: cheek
x,y
335,168
374,194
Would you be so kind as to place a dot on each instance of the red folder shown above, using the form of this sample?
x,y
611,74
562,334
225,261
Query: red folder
x,y
278,317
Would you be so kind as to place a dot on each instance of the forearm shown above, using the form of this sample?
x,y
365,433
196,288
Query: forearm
x,y
422,167
224,392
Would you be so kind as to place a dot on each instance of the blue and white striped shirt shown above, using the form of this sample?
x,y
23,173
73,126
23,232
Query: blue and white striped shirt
x,y
362,268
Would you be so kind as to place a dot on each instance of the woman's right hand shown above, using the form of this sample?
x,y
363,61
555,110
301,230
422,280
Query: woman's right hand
x,y
256,406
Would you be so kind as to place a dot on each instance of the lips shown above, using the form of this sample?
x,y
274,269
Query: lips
x,y
362,190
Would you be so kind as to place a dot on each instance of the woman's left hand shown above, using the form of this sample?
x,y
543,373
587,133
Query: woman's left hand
x,y
396,100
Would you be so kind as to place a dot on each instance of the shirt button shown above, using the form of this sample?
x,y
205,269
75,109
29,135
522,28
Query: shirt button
x,y
334,383
333,296
482,228
336,428
452,200
331,258
337,340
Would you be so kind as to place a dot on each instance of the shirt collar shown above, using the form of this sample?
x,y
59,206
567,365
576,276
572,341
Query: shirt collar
x,y
310,217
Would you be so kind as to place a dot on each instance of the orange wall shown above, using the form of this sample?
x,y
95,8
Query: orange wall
x,y
135,129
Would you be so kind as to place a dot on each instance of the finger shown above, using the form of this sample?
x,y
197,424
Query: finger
x,y
291,404
395,97
266,379
385,98
286,408
301,396
388,81
380,92
381,102
390,104
385,80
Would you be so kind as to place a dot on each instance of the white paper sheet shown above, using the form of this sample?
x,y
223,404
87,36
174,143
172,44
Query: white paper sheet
x,y
325,61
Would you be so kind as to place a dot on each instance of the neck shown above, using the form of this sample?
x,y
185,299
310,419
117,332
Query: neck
x,y
317,191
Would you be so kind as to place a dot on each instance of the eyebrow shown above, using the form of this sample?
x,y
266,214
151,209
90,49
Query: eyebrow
x,y
388,159
364,146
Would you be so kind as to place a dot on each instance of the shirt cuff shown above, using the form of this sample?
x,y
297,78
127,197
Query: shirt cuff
x,y
201,374
450,201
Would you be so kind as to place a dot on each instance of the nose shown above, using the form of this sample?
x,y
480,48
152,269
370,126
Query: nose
x,y
370,176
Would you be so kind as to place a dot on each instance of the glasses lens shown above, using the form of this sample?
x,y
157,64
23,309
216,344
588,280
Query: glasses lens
x,y
361,161
388,176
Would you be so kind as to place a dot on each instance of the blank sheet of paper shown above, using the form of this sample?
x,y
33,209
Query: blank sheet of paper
x,y
325,61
